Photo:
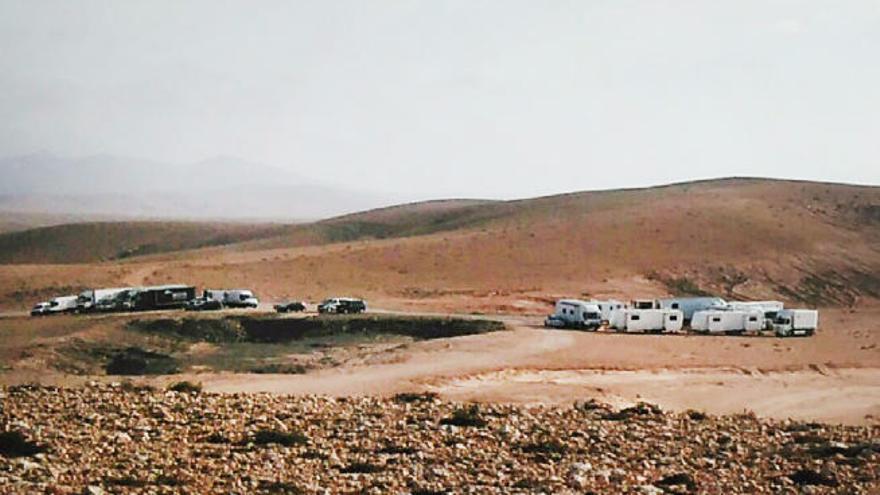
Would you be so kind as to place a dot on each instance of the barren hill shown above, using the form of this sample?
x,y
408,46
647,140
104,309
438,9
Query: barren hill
x,y
815,243
98,241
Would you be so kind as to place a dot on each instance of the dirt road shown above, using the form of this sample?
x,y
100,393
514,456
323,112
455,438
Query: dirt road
x,y
834,376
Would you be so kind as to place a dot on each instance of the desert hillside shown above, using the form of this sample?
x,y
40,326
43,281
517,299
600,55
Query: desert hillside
x,y
98,241
815,243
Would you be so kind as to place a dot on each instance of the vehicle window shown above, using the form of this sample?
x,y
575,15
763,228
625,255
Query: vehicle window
x,y
634,317
674,305
673,317
753,318
716,318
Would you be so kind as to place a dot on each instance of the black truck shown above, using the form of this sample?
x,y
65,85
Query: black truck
x,y
161,297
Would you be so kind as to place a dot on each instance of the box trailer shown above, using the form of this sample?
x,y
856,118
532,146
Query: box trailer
x,y
724,321
64,304
160,297
647,320
690,305
578,314
790,322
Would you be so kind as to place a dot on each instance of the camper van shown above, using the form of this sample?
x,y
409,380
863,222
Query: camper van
x,y
732,322
233,298
578,314
607,307
98,299
647,320
790,322
690,305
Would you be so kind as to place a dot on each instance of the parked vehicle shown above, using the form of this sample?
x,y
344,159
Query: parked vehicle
x,y
202,304
159,297
341,305
606,307
690,305
290,306
647,320
554,321
769,308
233,298
643,304
578,314
65,304
732,322
98,299
790,322
40,309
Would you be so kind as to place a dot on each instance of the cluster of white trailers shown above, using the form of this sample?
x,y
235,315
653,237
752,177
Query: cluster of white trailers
x,y
672,315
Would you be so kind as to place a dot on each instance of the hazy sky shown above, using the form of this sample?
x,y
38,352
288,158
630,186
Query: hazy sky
x,y
454,98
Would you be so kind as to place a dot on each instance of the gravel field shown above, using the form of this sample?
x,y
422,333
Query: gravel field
x,y
120,438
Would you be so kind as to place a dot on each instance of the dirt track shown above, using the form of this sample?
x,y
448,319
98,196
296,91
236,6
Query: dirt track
x,y
834,376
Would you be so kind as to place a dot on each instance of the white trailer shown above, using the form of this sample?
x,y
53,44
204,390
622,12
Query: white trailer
x,y
721,321
643,304
790,322
690,305
647,320
578,314
606,307
762,305
65,304
769,308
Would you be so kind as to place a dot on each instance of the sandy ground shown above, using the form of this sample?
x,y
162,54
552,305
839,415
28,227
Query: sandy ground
x,y
834,376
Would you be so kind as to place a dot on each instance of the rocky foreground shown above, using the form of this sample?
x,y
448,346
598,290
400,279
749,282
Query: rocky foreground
x,y
125,439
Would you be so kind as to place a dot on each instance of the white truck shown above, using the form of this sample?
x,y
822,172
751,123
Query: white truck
x,y
65,304
647,320
578,314
232,298
790,322
728,322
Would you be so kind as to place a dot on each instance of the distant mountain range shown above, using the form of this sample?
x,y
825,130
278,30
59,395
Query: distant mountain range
x,y
217,188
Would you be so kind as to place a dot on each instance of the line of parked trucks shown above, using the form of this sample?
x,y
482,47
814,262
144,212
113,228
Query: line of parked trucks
x,y
178,296
708,315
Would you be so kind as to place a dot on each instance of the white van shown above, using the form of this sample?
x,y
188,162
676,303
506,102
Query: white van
x,y
578,314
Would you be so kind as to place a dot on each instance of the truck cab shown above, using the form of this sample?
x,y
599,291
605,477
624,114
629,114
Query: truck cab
x,y
791,322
